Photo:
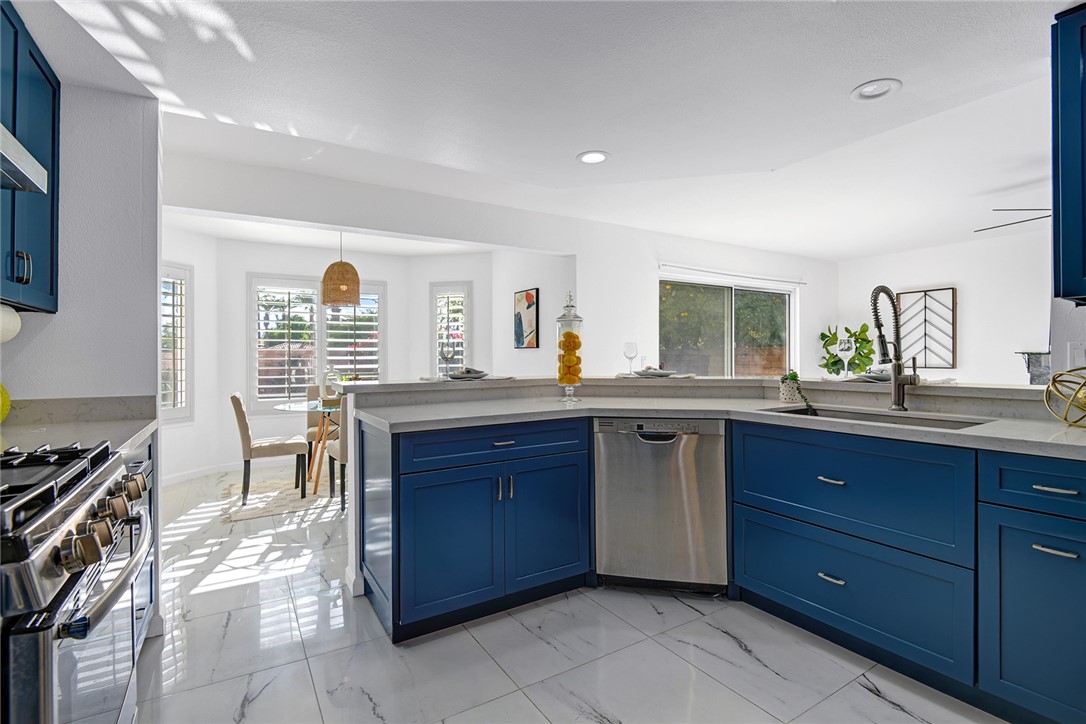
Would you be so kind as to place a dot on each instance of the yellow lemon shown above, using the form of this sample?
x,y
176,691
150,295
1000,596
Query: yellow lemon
x,y
569,335
575,370
5,402
570,360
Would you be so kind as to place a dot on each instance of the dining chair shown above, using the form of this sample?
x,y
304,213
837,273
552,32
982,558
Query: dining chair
x,y
266,447
312,419
337,451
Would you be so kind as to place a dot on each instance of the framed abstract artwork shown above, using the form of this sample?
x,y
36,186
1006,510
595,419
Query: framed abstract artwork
x,y
929,327
526,319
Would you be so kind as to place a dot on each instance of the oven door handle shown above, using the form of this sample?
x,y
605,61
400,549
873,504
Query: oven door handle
x,y
84,623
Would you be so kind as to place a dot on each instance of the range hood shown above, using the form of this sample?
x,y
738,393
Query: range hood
x,y
20,170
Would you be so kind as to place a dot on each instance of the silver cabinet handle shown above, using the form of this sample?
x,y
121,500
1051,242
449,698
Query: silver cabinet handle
x,y
499,488
831,579
504,443
510,486
1054,551
831,481
28,267
1060,491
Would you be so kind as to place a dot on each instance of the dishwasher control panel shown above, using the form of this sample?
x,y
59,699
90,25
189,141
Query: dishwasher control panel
x,y
659,425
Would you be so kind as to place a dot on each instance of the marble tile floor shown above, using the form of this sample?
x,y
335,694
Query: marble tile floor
x,y
260,629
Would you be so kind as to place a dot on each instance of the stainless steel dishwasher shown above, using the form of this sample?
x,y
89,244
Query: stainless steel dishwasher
x,y
660,504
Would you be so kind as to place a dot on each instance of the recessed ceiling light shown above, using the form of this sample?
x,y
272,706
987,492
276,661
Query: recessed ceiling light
x,y
592,157
873,90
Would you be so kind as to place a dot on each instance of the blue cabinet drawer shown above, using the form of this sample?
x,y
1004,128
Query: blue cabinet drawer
x,y
474,445
920,498
1031,621
1048,485
907,604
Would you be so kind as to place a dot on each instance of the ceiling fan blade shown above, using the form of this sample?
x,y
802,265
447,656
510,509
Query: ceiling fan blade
x,y
1013,223
1021,209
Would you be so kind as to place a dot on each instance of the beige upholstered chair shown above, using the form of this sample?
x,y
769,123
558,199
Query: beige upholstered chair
x,y
267,447
337,451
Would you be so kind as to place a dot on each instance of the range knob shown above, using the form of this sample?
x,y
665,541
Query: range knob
x,y
138,477
79,551
129,488
115,507
100,529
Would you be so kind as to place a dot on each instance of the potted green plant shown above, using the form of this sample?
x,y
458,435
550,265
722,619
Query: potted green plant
x,y
791,390
862,358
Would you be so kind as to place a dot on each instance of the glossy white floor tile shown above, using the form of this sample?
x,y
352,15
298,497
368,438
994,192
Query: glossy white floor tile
x,y
654,611
283,694
218,647
423,680
513,708
887,697
334,619
260,629
779,667
642,683
552,636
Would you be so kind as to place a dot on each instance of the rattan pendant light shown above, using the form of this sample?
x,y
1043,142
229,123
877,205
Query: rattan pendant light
x,y
340,286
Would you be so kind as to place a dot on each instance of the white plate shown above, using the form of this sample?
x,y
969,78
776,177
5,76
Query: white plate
x,y
467,375
655,373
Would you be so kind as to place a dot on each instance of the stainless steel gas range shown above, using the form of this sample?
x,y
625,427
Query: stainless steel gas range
x,y
76,582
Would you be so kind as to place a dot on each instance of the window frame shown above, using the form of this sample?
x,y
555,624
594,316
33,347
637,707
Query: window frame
x,y
185,274
742,283
437,289
257,279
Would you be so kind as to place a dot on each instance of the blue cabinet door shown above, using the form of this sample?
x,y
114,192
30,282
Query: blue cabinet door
x,y
451,540
1031,573
30,110
1069,154
546,520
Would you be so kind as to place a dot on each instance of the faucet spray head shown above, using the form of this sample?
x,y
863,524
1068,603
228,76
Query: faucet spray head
x,y
884,350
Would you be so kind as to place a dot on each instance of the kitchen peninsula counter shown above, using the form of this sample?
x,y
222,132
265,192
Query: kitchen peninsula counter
x,y
1017,419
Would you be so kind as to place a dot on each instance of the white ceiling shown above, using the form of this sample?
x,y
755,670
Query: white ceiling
x,y
277,232
728,121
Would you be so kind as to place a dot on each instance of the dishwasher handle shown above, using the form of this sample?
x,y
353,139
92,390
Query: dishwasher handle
x,y
658,438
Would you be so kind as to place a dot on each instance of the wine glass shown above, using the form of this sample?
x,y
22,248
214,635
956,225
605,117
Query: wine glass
x,y
629,351
846,349
446,351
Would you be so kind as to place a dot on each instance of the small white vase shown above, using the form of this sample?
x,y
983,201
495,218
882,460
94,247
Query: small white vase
x,y
789,391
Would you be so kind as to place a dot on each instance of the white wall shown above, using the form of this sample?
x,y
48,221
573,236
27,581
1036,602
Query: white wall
x,y
616,268
515,271
1004,296
103,341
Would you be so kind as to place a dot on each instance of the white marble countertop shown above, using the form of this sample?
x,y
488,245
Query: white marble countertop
x,y
122,434
1030,436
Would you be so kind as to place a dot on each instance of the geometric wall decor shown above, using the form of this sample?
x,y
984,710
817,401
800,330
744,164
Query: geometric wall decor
x,y
929,327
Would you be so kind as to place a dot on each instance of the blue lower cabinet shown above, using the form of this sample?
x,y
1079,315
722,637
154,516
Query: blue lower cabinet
x,y
546,520
915,607
452,529
1031,575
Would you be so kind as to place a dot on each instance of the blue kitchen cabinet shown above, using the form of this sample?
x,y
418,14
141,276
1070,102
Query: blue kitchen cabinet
x,y
1031,574
547,513
484,518
31,96
1069,154
452,540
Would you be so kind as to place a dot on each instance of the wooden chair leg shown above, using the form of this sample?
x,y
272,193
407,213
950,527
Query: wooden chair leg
x,y
331,477
343,487
245,482
300,474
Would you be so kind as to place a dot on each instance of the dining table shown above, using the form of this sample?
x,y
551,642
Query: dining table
x,y
328,408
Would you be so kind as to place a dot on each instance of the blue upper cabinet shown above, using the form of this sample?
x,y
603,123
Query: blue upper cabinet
x,y
30,98
1069,154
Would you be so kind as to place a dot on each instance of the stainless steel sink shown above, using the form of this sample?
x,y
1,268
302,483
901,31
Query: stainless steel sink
x,y
911,419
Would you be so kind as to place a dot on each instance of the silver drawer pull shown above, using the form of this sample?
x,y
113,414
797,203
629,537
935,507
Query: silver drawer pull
x,y
504,443
1054,551
1060,491
831,481
831,579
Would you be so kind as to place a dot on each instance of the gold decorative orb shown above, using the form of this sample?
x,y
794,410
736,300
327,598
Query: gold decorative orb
x,y
1065,396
